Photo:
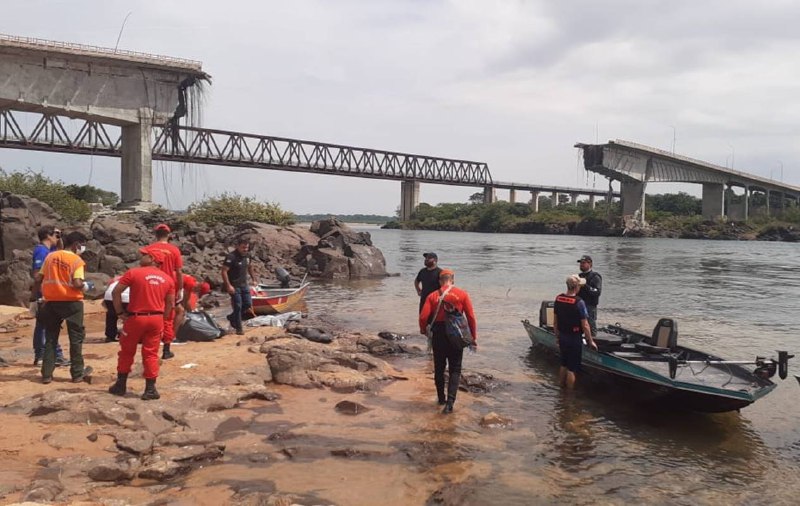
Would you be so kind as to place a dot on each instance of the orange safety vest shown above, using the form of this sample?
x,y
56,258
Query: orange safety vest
x,y
58,271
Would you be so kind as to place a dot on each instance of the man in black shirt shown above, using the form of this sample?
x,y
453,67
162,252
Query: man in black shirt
x,y
235,270
427,280
590,290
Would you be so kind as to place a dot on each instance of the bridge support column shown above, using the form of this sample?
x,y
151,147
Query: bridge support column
x,y
632,194
409,199
769,203
591,201
535,201
489,195
554,199
512,196
713,200
137,162
573,197
746,203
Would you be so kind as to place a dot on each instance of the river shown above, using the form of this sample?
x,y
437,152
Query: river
x,y
737,299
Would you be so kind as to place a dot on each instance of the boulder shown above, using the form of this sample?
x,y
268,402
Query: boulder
x,y
100,281
365,261
112,228
43,491
113,469
20,217
125,249
162,469
136,442
15,280
112,265
330,264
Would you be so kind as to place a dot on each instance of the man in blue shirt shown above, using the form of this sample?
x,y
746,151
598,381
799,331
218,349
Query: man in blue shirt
x,y
49,240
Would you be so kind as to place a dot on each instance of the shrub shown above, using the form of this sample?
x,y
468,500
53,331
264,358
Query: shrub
x,y
52,193
233,209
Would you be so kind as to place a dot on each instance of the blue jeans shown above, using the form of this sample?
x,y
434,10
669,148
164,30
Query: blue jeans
x,y
240,303
38,342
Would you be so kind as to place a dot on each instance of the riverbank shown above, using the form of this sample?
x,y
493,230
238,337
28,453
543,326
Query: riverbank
x,y
235,428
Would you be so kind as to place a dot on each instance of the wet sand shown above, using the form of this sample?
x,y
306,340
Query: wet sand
x,y
401,451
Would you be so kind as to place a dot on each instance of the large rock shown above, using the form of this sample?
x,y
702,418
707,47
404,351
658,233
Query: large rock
x,y
108,229
100,281
328,263
125,249
20,218
365,261
93,255
15,280
112,265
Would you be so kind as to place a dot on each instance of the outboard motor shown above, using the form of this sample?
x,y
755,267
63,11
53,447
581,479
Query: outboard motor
x,y
282,276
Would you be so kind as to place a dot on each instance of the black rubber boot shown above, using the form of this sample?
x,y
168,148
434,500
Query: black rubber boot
x,y
150,392
165,353
121,386
448,407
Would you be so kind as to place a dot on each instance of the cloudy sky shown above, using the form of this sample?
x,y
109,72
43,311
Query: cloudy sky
x,y
511,83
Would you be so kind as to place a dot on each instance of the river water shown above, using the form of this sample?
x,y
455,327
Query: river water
x,y
737,299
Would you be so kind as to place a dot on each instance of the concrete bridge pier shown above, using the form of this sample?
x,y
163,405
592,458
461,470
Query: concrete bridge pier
x,y
489,195
409,198
632,194
512,196
137,162
713,200
573,197
554,199
535,201
769,201
746,203
591,201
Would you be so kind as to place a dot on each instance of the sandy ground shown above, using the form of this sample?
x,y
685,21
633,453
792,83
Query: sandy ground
x,y
399,452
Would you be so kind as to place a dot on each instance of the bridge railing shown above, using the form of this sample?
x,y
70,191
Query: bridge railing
x,y
220,147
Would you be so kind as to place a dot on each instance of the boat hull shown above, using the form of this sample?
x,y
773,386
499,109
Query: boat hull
x,y
647,385
277,301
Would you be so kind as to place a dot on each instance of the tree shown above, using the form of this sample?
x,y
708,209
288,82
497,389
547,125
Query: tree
x,y
476,198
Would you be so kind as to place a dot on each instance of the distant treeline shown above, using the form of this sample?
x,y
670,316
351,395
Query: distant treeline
x,y
373,219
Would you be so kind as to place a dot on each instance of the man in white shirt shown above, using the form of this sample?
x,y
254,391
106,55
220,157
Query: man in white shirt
x,y
111,314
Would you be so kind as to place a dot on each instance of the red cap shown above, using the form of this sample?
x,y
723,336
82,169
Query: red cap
x,y
162,226
446,272
205,288
189,282
157,254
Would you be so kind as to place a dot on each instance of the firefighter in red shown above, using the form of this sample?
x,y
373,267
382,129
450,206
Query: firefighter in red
x,y
152,297
173,266
445,353
192,291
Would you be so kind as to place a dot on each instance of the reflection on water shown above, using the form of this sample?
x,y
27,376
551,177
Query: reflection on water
x,y
735,298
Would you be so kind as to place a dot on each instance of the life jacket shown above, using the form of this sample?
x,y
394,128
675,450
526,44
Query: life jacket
x,y
569,318
58,271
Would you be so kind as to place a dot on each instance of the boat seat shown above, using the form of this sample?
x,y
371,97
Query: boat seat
x,y
663,340
607,341
547,315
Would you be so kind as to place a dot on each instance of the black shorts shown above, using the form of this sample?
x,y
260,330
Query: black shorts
x,y
570,349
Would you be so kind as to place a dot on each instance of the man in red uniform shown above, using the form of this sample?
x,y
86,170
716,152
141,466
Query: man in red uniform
x,y
152,298
173,266
192,292
444,351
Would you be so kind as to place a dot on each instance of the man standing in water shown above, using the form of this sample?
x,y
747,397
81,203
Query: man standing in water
x,y
427,280
570,319
590,291
445,352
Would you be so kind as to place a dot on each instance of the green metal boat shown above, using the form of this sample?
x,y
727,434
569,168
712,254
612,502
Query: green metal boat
x,y
655,368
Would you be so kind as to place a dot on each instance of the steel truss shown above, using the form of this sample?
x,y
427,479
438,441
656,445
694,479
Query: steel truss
x,y
219,147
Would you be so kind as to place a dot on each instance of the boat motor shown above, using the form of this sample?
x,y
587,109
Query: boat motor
x,y
765,368
282,276
783,364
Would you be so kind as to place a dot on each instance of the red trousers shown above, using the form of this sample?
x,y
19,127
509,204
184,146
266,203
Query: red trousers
x,y
147,331
169,328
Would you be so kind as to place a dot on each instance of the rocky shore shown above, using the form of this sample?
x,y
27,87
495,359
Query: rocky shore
x,y
328,249
268,418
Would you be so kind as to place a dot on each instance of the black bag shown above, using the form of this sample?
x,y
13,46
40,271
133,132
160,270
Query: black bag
x,y
199,326
456,327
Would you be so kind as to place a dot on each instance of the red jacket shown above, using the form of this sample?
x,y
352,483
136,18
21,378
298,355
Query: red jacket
x,y
458,298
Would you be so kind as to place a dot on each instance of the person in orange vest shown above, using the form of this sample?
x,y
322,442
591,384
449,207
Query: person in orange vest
x,y
192,292
446,353
173,266
61,283
152,298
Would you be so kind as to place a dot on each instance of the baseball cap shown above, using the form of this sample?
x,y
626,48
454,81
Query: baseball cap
x,y
585,258
162,226
156,254
446,272
205,288
431,255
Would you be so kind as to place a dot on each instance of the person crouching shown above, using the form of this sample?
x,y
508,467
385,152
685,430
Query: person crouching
x,y
152,298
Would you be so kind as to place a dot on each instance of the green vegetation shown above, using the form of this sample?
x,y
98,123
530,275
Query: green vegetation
x,y
669,215
66,200
233,209
373,219
88,193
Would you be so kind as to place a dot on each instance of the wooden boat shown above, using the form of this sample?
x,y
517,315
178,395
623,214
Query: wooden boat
x,y
655,368
274,300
